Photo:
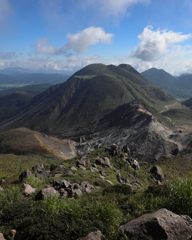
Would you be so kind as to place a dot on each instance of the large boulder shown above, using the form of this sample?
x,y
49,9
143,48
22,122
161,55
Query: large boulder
x,y
134,163
1,237
92,236
43,194
159,225
25,174
158,174
43,174
28,190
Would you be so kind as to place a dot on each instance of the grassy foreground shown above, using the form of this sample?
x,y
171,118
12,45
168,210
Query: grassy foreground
x,y
104,209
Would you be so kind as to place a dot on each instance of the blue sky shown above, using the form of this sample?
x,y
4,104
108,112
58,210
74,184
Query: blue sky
x,y
66,35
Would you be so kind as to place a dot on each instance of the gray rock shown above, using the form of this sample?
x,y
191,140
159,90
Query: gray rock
x,y
92,236
28,190
63,193
45,193
38,168
159,225
134,163
25,174
2,181
73,168
81,162
100,161
57,175
67,172
109,182
122,179
114,149
158,174
65,184
82,167
61,168
74,193
107,162
1,237
1,189
126,149
103,172
43,174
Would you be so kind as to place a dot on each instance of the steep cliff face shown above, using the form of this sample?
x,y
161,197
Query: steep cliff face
x,y
133,125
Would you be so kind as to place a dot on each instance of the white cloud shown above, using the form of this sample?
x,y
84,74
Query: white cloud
x,y
78,42
155,43
42,46
52,65
114,7
5,13
185,66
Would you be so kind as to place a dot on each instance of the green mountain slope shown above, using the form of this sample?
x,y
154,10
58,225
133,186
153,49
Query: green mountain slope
x,y
74,107
179,87
33,89
10,104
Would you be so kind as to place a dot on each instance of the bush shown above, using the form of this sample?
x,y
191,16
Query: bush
x,y
10,195
180,196
118,189
34,182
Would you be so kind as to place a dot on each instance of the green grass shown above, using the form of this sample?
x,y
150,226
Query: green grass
x,y
104,209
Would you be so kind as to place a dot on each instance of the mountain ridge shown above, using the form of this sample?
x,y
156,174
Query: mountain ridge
x,y
73,107
179,87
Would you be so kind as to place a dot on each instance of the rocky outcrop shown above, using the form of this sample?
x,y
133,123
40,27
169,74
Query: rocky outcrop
x,y
159,225
105,162
92,236
157,172
135,131
65,189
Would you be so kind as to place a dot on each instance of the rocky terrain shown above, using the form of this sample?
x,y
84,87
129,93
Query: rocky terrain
x,y
25,141
97,157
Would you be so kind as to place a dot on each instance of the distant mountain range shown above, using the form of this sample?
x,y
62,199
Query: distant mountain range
x,y
179,87
32,78
74,107
16,71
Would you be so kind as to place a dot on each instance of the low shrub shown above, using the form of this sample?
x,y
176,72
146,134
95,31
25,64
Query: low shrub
x,y
118,189
180,196
10,195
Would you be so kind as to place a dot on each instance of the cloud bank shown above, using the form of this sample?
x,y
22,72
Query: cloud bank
x,y
154,43
78,42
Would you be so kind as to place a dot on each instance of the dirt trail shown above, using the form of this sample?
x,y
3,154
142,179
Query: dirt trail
x,y
167,107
